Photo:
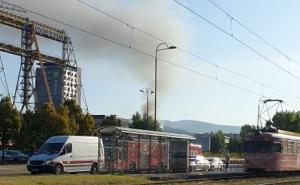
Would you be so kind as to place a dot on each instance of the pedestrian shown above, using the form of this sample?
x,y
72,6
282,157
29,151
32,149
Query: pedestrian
x,y
227,159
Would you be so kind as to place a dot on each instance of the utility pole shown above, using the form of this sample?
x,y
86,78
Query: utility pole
x,y
148,92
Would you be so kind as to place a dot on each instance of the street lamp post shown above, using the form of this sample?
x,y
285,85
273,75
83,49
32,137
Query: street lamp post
x,y
148,92
156,51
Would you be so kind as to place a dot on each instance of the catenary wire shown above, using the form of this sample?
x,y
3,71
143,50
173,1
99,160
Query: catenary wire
x,y
188,52
238,40
254,33
143,52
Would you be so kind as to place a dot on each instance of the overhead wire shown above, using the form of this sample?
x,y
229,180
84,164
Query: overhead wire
x,y
141,52
254,33
238,40
186,51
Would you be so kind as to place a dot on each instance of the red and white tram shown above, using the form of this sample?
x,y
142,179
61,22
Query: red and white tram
x,y
273,151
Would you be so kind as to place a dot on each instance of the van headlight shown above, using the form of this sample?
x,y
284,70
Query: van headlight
x,y
48,162
28,162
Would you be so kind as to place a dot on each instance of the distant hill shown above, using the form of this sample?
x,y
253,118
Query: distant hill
x,y
178,131
191,126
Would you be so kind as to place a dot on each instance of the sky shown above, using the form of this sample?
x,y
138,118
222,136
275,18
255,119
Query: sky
x,y
113,75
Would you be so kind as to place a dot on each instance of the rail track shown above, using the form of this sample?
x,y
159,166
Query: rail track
x,y
285,182
204,179
226,178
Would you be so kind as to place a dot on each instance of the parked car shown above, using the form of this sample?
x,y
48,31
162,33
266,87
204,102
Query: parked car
x,y
199,162
7,156
215,163
17,156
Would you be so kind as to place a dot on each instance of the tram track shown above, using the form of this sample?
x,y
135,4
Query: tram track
x,y
285,182
226,178
205,179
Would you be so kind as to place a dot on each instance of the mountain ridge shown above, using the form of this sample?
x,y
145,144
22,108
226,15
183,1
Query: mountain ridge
x,y
194,126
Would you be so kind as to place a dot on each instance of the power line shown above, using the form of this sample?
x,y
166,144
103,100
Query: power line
x,y
186,51
253,32
140,51
143,52
238,40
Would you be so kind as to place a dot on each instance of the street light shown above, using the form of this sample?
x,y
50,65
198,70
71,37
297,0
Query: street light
x,y
148,92
156,51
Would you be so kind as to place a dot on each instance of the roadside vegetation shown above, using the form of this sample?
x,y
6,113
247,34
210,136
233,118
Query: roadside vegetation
x,y
73,180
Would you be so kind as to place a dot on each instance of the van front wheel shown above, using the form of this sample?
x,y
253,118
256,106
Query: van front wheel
x,y
94,169
58,169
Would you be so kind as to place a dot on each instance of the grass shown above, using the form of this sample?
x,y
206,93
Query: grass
x,y
72,180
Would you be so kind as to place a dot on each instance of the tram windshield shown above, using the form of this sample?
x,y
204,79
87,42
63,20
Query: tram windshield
x,y
262,147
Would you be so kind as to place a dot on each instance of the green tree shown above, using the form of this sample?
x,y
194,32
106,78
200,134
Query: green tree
x,y
217,143
137,121
245,129
111,120
10,123
40,125
87,125
28,132
234,145
142,122
289,121
85,122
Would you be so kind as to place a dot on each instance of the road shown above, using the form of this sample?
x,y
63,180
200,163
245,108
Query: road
x,y
20,169
13,169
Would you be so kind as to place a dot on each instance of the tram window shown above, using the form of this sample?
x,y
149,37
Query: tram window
x,y
257,147
290,147
298,147
276,147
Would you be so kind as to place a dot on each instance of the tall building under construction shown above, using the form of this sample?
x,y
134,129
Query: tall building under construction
x,y
64,84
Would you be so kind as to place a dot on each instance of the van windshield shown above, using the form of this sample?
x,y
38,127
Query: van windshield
x,y
50,148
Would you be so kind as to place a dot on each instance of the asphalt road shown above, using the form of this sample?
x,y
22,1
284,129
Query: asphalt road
x,y
20,169
13,169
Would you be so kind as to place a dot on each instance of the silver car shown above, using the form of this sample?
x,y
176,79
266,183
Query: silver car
x,y
216,163
199,162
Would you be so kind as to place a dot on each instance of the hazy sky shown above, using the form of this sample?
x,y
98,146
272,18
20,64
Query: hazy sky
x,y
113,75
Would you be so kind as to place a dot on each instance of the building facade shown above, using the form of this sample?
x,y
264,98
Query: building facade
x,y
64,84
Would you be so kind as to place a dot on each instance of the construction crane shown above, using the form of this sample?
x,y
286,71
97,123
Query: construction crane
x,y
30,29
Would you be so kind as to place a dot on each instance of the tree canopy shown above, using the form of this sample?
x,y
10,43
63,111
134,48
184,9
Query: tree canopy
x,y
245,129
289,121
68,119
111,120
217,142
142,122
84,121
10,122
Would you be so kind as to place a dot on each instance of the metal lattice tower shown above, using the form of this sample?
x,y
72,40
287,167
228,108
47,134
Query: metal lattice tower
x,y
3,80
25,89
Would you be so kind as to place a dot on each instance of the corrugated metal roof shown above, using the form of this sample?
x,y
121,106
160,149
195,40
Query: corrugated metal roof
x,y
144,132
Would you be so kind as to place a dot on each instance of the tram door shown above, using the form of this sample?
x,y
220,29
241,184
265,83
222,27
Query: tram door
x,y
178,156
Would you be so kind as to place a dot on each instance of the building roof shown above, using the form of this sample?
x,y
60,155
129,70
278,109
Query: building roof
x,y
113,129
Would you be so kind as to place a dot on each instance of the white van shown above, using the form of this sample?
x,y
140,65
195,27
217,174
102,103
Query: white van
x,y
68,154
